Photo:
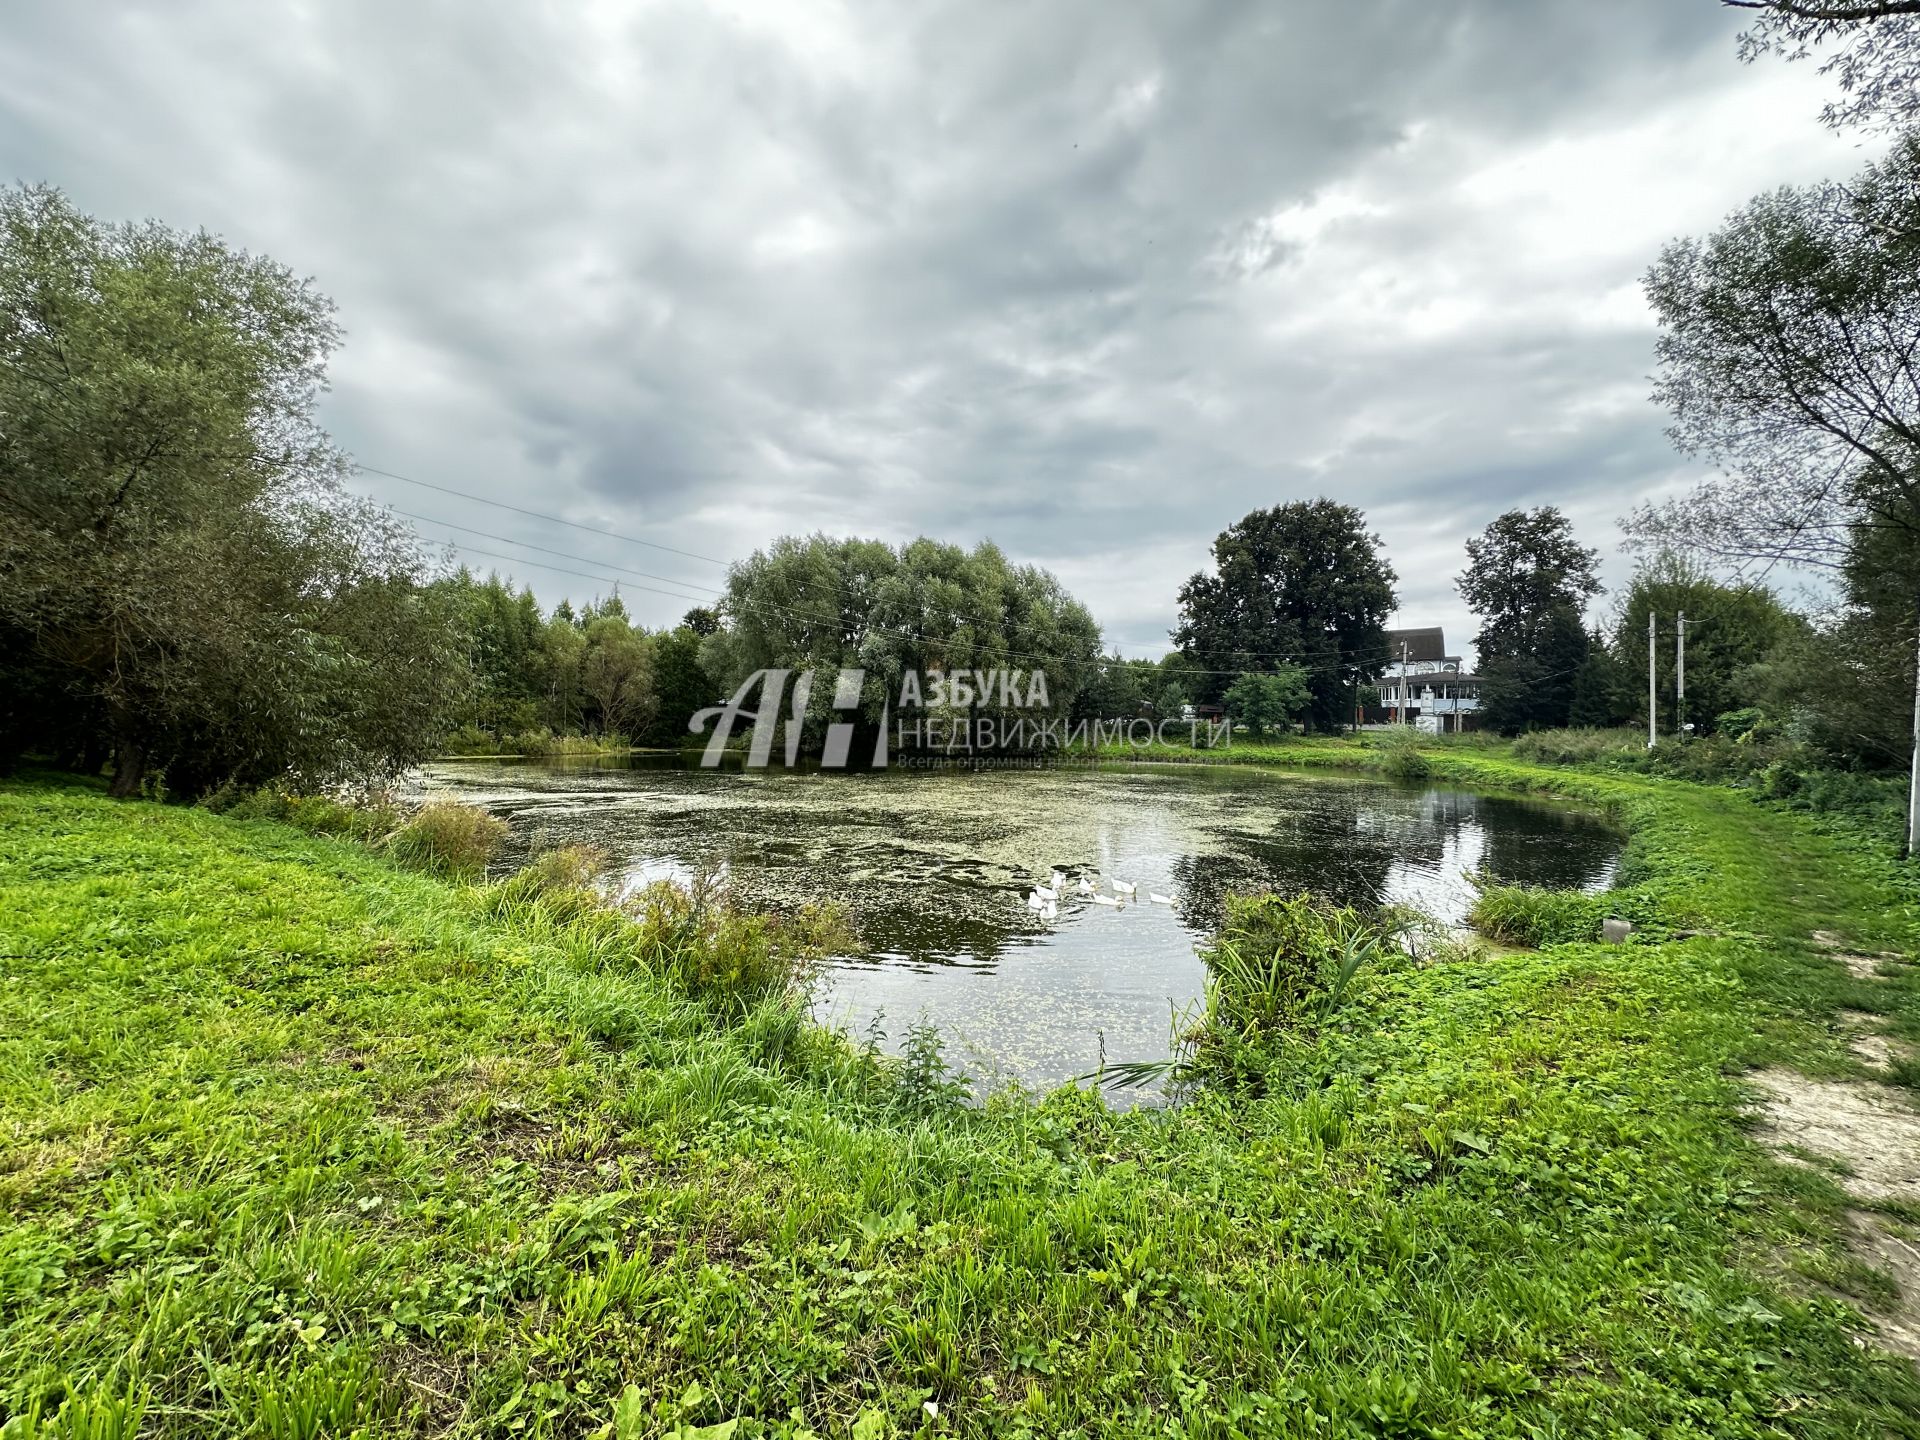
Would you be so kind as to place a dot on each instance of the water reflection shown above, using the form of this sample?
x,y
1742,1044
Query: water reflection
x,y
934,868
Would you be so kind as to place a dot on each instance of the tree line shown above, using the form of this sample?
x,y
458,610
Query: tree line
x,y
189,592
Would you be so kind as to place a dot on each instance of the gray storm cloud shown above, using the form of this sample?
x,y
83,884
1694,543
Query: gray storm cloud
x,y
1086,279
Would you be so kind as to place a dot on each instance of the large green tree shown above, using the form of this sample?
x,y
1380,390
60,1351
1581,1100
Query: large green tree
x,y
830,603
1304,584
1786,356
181,576
1528,580
1267,702
1733,630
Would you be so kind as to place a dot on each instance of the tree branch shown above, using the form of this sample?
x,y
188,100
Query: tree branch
x,y
1870,10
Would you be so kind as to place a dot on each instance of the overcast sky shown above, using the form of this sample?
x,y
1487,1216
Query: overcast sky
x,y
1090,279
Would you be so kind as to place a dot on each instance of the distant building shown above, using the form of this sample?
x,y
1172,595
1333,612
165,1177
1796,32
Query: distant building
x,y
1423,686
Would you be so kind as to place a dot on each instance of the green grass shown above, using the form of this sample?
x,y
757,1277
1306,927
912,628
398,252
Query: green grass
x,y
294,1143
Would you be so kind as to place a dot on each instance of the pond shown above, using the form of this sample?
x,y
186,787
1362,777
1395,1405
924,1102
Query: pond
x,y
935,868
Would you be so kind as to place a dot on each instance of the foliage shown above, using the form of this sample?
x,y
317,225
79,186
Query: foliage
x,y
366,818
834,604
680,685
1783,356
1733,632
1600,689
698,937
1523,565
448,837
1276,972
299,1130
1398,754
1527,579
183,584
572,682
1528,915
1301,584
1268,702
1876,55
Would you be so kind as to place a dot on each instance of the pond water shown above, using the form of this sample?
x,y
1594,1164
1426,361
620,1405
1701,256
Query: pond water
x,y
935,866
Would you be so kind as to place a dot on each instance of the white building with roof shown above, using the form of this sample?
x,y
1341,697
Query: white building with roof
x,y
1423,686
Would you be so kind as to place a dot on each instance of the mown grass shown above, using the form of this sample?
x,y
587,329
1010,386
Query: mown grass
x,y
293,1143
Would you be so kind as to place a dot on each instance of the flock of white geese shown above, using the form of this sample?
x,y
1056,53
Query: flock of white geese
x,y
1044,900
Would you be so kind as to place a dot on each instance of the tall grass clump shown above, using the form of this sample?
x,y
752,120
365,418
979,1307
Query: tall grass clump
x,y
1534,917
697,936
1400,756
1276,972
448,837
557,886
365,818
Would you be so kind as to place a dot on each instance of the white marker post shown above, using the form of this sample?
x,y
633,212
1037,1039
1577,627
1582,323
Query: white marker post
x,y
1653,696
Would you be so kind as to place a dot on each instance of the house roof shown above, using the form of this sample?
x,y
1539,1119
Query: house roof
x,y
1426,644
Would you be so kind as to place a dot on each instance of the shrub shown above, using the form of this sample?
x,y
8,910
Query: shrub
x,y
1580,747
448,838
1400,755
1748,725
469,739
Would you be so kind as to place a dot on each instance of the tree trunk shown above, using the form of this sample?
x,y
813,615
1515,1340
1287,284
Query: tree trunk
x,y
129,758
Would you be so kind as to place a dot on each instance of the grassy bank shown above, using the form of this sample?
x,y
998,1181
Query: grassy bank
x,y
295,1144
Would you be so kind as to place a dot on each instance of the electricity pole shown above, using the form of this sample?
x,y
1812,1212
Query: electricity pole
x,y
1680,683
1913,782
1653,695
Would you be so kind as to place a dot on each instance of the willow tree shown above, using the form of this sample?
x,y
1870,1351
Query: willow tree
x,y
825,602
183,582
1871,48
1787,357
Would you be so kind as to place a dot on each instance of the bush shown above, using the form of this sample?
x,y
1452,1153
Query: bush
x,y
1581,747
469,739
1400,755
1748,725
448,838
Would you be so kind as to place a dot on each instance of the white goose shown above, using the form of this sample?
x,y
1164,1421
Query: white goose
x,y
1121,887
1105,900
1086,886
1158,899
1057,881
1046,892
1034,902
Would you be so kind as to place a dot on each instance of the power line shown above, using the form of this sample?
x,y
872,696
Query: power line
x,y
562,554
1337,663
536,515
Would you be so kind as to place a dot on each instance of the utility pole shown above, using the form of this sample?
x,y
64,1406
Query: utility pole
x,y
1913,782
1680,683
1653,694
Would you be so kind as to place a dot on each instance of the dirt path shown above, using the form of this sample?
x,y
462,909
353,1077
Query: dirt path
x,y
1866,1135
